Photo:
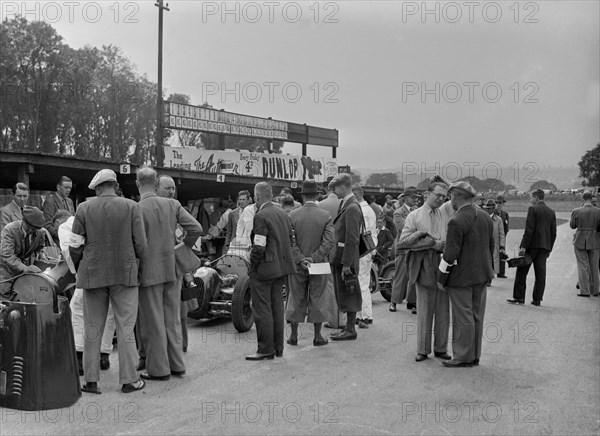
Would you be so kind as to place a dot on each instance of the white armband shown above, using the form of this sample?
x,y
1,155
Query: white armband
x,y
445,266
260,240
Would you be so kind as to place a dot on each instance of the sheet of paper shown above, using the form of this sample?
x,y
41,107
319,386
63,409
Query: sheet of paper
x,y
316,269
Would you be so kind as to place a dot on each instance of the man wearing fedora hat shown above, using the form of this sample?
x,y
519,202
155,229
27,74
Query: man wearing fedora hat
x,y
500,200
21,240
314,240
499,238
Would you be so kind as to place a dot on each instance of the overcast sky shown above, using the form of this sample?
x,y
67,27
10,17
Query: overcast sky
x,y
365,68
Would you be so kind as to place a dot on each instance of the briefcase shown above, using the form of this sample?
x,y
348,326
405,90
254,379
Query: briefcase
x,y
365,244
519,261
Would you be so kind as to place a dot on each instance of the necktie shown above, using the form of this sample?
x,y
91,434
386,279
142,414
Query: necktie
x,y
435,223
340,208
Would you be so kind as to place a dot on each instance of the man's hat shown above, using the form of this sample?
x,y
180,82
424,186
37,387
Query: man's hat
x,y
33,217
310,187
463,187
490,204
341,179
102,176
411,190
500,199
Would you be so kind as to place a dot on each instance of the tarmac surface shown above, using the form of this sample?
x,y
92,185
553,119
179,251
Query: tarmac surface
x,y
539,374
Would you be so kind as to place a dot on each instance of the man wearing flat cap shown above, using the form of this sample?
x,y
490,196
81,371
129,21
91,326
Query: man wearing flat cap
x,y
464,270
20,241
107,270
344,257
314,240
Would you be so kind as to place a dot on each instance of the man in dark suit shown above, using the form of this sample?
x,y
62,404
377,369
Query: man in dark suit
x,y
13,211
345,255
160,287
58,200
314,240
468,257
538,240
107,270
271,260
586,219
505,222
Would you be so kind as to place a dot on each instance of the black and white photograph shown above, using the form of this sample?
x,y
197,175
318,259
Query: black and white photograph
x,y
301,217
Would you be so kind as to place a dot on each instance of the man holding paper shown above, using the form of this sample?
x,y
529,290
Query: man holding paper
x,y
314,240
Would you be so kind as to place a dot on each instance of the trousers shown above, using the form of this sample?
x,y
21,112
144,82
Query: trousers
x,y
539,256
587,271
76,305
364,280
432,303
267,306
468,311
401,289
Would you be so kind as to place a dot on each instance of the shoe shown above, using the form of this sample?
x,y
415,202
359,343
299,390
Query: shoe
x,y
489,284
179,374
292,341
513,301
362,324
368,321
330,326
411,306
502,276
476,362
420,357
346,336
317,342
185,349
340,332
414,311
583,295
262,356
141,364
278,353
457,364
147,376
536,303
91,387
392,307
104,361
132,387
595,295
577,286
444,356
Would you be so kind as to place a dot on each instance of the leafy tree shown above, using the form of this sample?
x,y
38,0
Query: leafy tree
x,y
383,180
543,184
356,177
589,167
495,185
424,184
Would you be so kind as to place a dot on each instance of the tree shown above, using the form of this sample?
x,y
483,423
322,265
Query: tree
x,y
383,179
424,184
356,178
543,184
589,167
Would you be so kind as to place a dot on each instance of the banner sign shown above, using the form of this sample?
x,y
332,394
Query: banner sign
x,y
200,119
245,163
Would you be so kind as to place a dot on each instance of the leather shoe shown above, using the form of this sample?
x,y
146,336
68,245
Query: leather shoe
x,y
362,324
536,303
317,342
414,311
513,301
292,341
392,307
278,353
583,295
501,276
411,306
346,336
420,357
141,364
444,356
132,387
91,387
476,362
179,374
457,364
147,376
261,356
329,325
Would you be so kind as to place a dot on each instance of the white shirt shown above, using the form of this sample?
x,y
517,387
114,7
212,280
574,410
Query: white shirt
x,y
370,219
420,220
245,225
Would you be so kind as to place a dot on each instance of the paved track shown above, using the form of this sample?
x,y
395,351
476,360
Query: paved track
x,y
539,374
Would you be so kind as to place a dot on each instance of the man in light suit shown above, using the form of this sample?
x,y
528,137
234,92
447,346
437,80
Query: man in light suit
x,y
107,269
345,255
468,258
13,211
586,242
538,240
58,200
160,289
314,240
271,260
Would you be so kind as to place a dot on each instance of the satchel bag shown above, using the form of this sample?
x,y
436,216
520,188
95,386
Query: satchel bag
x,y
185,258
49,254
365,243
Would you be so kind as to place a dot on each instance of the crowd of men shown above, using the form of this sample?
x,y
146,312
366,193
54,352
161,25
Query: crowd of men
x,y
447,251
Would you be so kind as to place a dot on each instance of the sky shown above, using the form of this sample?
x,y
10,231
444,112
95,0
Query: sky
x,y
426,83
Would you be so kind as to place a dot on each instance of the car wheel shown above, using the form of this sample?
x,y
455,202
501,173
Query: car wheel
x,y
386,278
241,305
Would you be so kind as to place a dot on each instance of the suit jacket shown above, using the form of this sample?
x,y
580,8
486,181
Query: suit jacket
x,y
384,240
540,227
271,254
51,205
231,227
314,233
14,255
115,241
9,213
400,215
505,220
160,217
331,204
469,242
586,220
347,225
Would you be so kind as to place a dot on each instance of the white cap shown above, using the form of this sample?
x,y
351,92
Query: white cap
x,y
102,176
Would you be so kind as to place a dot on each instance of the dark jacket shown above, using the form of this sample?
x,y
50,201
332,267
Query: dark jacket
x,y
52,204
347,225
540,227
274,258
470,243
